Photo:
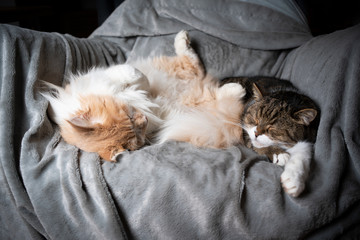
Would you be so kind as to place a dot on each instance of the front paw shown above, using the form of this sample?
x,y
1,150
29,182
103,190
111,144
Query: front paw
x,y
232,89
125,74
281,159
293,182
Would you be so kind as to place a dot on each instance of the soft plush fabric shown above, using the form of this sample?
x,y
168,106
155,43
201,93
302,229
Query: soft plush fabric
x,y
52,190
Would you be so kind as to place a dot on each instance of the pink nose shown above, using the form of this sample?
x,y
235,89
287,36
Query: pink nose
x,y
256,133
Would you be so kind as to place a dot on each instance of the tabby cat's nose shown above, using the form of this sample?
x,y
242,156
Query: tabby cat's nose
x,y
256,133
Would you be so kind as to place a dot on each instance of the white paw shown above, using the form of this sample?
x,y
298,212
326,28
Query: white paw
x,y
293,182
125,75
182,45
281,159
125,72
232,90
182,42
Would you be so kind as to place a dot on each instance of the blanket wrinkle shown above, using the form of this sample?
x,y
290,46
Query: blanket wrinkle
x,y
36,130
18,207
334,89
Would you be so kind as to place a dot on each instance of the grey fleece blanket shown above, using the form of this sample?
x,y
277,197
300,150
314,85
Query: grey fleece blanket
x,y
52,190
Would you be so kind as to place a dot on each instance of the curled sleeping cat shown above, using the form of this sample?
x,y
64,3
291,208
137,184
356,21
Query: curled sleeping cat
x,y
110,110
280,123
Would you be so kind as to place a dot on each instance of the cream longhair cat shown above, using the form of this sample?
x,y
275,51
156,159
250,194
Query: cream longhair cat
x,y
110,110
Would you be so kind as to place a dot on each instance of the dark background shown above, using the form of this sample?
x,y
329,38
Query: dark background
x,y
81,17
76,17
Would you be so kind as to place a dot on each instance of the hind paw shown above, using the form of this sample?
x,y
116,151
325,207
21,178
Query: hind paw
x,y
182,45
182,42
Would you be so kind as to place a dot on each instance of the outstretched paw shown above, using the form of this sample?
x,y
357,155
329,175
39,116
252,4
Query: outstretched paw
x,y
293,182
126,73
232,90
281,159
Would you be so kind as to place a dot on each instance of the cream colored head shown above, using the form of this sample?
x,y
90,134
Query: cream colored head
x,y
106,126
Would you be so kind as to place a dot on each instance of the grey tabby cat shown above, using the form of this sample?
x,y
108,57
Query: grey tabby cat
x,y
280,123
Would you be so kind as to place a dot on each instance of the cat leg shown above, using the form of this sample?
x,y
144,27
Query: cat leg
x,y
187,58
297,168
186,65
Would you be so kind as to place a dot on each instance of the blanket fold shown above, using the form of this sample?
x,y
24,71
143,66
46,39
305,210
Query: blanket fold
x,y
40,198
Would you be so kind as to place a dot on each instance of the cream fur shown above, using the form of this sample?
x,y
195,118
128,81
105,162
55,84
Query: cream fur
x,y
194,109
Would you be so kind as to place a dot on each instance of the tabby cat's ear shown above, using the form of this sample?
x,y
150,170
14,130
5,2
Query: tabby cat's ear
x,y
256,92
305,116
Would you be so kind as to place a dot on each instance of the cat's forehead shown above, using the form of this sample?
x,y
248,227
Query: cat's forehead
x,y
270,103
270,113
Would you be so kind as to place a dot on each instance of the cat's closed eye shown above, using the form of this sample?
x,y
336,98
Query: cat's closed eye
x,y
274,132
270,129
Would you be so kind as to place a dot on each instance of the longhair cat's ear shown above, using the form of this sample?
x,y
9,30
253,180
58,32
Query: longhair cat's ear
x,y
256,92
82,122
305,116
